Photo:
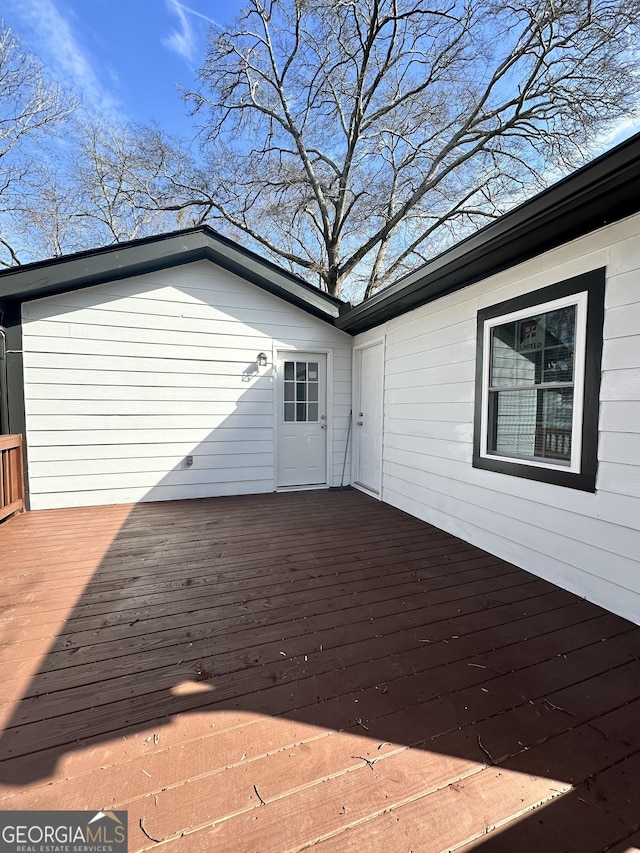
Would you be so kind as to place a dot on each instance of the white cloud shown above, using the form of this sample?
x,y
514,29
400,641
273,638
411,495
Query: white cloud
x,y
626,127
185,40
61,50
181,41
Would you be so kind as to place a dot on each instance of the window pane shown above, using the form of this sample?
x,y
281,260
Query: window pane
x,y
532,423
301,391
289,391
313,412
560,339
534,350
313,370
560,327
514,426
289,371
301,411
557,420
554,434
289,412
313,390
558,365
509,365
301,371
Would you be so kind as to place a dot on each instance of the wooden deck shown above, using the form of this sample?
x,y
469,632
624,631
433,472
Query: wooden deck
x,y
310,670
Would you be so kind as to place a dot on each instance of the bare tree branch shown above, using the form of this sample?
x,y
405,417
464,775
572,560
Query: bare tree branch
x,y
302,105
31,111
14,259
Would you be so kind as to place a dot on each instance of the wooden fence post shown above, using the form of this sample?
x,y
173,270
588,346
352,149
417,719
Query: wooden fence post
x,y
11,476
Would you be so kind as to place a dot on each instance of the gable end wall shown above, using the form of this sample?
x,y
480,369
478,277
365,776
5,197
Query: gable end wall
x,y
126,379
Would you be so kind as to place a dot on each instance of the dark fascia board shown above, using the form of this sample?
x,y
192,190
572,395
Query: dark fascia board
x,y
604,191
123,260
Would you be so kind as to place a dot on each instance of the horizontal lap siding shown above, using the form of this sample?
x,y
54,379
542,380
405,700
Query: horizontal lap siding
x,y
126,379
589,543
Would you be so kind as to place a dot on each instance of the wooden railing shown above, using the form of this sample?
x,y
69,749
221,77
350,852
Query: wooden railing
x,y
11,476
557,443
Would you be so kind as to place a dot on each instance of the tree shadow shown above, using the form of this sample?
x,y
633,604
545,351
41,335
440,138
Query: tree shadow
x,y
337,611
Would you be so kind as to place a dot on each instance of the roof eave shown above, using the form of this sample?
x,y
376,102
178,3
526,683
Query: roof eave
x,y
121,261
605,191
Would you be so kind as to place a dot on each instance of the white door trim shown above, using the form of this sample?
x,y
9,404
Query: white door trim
x,y
357,355
280,352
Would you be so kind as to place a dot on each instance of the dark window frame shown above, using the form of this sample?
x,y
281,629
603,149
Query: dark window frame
x,y
593,283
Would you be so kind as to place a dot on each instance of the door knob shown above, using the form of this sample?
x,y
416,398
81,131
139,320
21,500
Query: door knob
x,y
323,426
359,423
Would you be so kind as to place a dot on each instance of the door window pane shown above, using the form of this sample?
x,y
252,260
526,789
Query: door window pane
x,y
301,385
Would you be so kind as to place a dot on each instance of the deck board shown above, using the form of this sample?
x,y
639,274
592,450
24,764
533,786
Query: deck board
x,y
309,671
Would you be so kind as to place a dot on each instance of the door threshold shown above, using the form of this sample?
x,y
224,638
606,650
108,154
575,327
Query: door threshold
x,y
367,489
302,488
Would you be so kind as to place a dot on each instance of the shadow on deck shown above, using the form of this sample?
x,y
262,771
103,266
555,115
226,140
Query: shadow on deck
x,y
373,681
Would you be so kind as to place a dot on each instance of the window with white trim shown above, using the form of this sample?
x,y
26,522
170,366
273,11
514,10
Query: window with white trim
x,y
537,383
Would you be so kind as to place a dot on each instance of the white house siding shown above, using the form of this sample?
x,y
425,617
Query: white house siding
x,y
126,379
587,543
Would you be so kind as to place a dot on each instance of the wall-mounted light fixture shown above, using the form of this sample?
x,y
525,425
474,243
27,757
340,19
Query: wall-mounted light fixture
x,y
262,360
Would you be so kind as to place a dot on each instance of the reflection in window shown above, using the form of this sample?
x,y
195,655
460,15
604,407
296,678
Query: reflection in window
x,y
531,386
538,375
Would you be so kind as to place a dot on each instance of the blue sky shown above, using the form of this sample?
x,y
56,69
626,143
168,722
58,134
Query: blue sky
x,y
125,58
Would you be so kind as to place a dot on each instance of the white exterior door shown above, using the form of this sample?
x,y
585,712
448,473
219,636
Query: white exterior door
x,y
368,417
302,419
